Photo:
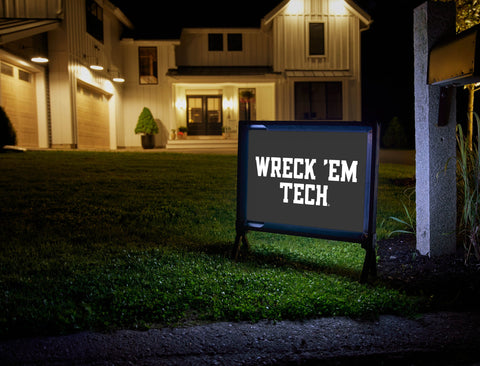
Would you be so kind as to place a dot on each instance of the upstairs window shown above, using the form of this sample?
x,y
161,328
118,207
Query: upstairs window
x,y
94,17
215,42
235,42
316,38
147,65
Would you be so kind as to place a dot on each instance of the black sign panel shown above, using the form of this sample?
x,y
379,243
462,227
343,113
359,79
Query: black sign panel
x,y
308,178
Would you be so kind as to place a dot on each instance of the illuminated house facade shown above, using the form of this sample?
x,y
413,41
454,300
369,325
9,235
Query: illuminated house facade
x,y
303,63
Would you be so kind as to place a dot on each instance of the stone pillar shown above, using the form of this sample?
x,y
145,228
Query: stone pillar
x,y
434,145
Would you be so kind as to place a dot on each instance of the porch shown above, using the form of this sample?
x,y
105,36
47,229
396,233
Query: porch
x,y
204,144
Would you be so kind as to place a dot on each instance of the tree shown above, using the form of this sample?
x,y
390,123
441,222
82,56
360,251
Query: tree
x,y
468,15
146,123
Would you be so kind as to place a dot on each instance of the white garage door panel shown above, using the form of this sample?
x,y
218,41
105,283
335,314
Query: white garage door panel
x,y
19,102
92,119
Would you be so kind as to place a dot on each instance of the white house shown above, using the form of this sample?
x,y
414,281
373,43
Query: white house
x,y
303,63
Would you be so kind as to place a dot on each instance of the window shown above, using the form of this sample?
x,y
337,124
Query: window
x,y
215,42
7,69
234,41
247,107
24,75
318,101
316,45
94,20
147,65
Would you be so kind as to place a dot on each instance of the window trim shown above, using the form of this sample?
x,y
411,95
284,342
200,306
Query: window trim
x,y
95,23
231,42
308,39
214,43
154,67
341,83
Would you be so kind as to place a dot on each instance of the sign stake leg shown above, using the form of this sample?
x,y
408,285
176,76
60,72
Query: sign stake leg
x,y
370,263
241,244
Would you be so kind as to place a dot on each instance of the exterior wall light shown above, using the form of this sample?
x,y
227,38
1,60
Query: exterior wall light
x,y
96,67
39,59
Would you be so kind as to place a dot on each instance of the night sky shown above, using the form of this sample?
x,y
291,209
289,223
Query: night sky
x,y
387,47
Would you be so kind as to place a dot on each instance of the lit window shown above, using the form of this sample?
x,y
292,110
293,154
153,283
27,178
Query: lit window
x,y
316,46
247,106
147,65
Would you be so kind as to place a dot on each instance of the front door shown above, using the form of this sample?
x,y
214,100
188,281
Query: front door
x,y
204,115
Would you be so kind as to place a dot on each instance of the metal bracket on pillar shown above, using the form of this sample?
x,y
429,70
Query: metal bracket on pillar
x,y
444,106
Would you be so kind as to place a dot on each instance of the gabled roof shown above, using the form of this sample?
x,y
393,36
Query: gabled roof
x,y
365,19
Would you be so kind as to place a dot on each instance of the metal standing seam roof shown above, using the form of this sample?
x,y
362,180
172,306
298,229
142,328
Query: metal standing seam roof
x,y
220,71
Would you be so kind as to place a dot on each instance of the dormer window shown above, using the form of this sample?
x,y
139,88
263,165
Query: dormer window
x,y
316,39
234,41
215,42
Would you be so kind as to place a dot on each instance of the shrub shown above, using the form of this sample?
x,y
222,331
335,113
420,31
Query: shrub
x,y
8,135
395,135
146,123
468,178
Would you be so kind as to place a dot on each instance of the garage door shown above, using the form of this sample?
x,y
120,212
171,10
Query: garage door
x,y
18,99
92,119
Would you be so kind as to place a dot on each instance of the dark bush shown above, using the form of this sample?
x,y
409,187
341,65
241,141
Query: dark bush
x,y
8,135
395,136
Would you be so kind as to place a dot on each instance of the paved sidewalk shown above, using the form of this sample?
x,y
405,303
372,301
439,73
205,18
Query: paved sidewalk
x,y
432,339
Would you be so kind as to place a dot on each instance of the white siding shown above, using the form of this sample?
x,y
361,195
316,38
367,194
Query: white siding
x,y
156,97
193,49
31,9
291,32
71,51
342,52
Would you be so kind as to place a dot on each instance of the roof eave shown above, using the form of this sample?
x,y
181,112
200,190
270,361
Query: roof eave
x,y
365,19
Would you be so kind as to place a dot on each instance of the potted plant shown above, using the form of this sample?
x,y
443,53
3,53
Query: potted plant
x,y
148,127
182,132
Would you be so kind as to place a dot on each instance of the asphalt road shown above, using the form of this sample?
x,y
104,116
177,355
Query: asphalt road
x,y
431,339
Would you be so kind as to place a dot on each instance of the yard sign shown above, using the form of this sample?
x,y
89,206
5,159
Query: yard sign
x,y
316,179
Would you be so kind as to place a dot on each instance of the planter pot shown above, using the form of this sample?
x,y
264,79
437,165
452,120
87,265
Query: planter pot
x,y
148,141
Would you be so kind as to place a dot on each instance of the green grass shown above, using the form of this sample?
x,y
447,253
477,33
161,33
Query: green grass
x,y
99,241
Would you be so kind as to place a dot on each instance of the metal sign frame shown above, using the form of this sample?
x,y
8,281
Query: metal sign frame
x,y
366,237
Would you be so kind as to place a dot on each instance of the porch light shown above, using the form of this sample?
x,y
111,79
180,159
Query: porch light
x,y
181,104
337,7
294,7
116,77
39,59
96,66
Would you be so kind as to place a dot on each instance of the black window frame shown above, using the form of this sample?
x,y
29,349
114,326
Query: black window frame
x,y
316,39
308,94
215,42
235,42
153,66
94,19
